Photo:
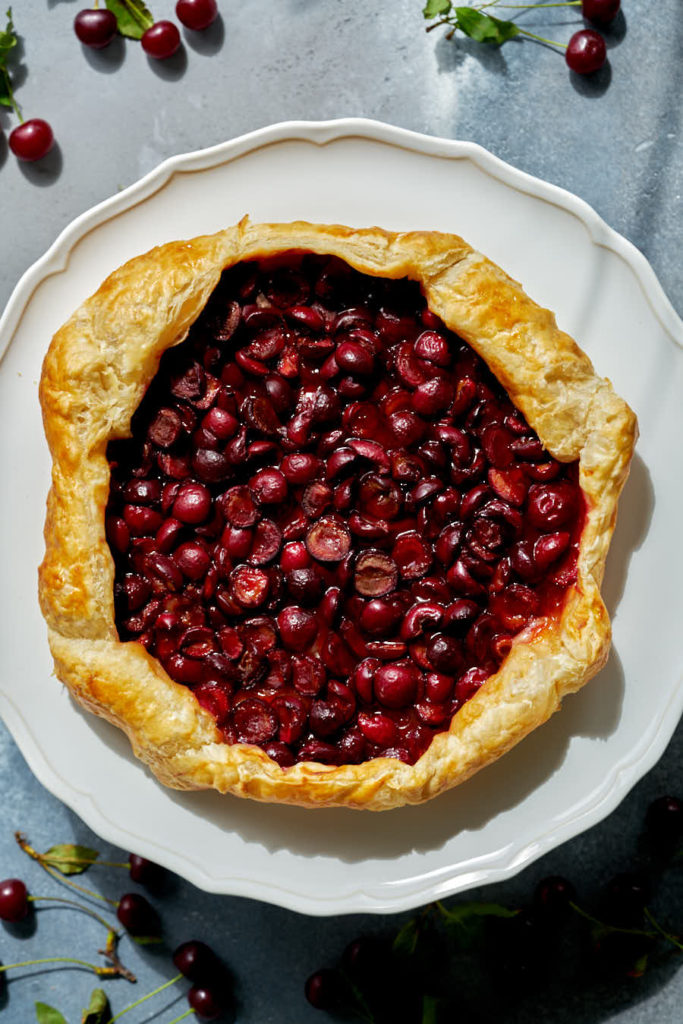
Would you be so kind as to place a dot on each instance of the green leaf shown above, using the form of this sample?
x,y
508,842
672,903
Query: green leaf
x,y
98,1010
48,1015
133,17
484,27
464,922
433,8
640,966
69,858
8,38
406,940
5,89
464,912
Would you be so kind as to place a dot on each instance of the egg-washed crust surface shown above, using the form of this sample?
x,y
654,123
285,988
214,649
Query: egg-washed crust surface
x,y
95,374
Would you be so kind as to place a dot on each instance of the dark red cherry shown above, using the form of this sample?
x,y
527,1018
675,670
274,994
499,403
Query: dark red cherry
x,y
323,989
664,819
31,140
600,12
196,961
143,871
586,52
161,41
95,27
196,14
138,916
14,902
207,1003
553,898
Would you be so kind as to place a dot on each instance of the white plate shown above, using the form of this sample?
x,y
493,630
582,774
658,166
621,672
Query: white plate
x,y
563,778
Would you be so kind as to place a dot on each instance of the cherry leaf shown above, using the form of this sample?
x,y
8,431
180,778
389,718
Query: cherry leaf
x,y
48,1015
69,858
433,8
133,17
640,966
98,1010
484,27
8,38
464,922
5,89
464,912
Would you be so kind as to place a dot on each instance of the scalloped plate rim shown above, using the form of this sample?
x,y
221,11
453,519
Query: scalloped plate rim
x,y
438,882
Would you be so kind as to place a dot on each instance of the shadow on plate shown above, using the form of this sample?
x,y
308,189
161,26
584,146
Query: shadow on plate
x,y
636,508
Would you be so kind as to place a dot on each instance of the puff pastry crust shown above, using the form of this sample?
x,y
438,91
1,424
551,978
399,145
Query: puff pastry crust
x,y
95,374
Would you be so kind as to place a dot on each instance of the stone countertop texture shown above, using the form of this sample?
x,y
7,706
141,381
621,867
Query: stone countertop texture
x,y
615,140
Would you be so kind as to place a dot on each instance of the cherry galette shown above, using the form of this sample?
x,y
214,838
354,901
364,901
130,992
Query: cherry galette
x,y
330,511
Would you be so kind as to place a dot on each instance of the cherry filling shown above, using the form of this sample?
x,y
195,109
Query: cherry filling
x,y
330,520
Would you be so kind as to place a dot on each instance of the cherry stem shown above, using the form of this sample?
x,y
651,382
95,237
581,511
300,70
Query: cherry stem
x,y
533,7
655,924
540,39
102,972
143,999
361,1008
183,1016
78,906
28,849
118,969
616,928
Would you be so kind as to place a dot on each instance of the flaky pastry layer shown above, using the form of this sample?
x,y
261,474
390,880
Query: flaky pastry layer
x,y
95,374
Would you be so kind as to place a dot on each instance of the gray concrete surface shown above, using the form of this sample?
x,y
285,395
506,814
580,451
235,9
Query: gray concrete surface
x,y
614,140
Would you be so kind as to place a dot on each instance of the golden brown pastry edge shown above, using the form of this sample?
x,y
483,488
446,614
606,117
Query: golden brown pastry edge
x,y
94,375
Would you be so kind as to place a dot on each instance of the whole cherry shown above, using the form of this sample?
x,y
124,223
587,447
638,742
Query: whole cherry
x,y
664,820
196,961
138,916
143,871
14,902
196,14
553,898
323,989
207,1003
95,27
161,40
600,12
31,140
586,52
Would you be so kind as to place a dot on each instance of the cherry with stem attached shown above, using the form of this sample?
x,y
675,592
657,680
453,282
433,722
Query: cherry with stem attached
x,y
585,52
15,903
31,140
208,998
600,12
